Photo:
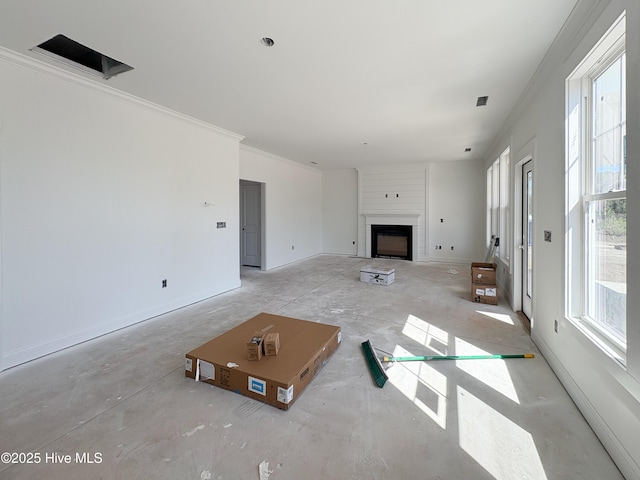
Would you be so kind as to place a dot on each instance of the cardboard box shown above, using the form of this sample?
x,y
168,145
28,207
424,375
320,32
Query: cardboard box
x,y
482,293
271,343
377,276
483,273
277,380
254,347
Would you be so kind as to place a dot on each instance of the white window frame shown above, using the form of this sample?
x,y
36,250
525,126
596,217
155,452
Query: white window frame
x,y
489,231
579,158
505,206
498,219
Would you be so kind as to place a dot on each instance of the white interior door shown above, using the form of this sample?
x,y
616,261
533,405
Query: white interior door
x,y
527,238
250,222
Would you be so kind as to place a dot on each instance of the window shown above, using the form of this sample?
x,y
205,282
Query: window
x,y
596,191
498,210
505,210
488,217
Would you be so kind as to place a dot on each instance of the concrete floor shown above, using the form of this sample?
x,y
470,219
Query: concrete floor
x,y
125,397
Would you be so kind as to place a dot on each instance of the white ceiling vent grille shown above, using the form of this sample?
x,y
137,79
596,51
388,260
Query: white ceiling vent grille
x,y
80,56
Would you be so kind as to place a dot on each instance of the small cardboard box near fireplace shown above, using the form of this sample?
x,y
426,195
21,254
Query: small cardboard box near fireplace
x,y
377,276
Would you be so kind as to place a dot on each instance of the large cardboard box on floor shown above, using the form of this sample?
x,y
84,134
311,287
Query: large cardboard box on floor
x,y
305,347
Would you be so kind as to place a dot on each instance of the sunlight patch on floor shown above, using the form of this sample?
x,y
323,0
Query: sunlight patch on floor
x,y
493,373
500,446
421,384
428,335
498,316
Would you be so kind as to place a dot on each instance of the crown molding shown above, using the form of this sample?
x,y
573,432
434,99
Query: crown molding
x,y
41,67
273,156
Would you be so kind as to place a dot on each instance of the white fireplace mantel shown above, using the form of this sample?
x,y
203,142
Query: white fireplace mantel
x,y
389,218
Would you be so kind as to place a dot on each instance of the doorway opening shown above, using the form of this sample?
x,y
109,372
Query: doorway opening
x,y
524,261
252,224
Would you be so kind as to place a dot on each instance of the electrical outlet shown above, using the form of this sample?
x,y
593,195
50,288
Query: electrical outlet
x,y
547,235
164,283
221,225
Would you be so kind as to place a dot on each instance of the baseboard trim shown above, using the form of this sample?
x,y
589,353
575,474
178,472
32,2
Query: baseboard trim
x,y
621,457
33,352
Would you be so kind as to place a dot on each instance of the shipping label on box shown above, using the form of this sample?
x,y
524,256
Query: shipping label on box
x,y
204,371
285,395
487,294
256,385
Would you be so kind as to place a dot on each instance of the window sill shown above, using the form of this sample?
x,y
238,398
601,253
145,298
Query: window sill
x,y
594,337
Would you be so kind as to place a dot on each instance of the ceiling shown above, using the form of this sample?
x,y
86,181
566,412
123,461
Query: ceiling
x,y
348,83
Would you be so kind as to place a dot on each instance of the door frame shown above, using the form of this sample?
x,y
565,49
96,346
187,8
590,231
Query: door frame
x,y
518,264
263,250
527,242
525,154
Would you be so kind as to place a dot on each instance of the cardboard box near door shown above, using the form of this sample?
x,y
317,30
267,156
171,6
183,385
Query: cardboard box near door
x,y
483,283
482,293
483,273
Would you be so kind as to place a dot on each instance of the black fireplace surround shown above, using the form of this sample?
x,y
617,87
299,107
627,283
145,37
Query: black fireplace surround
x,y
392,241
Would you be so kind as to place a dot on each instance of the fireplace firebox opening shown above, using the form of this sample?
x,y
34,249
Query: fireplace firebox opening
x,y
391,241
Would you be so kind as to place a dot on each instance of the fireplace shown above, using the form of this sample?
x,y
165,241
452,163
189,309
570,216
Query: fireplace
x,y
392,241
393,220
